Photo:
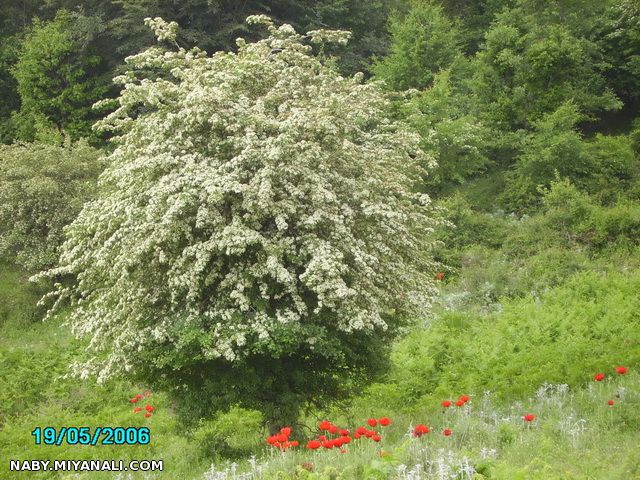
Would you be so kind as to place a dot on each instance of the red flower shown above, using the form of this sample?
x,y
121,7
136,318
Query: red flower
x,y
344,432
460,403
598,377
322,438
420,430
611,403
285,431
346,439
272,440
148,408
138,396
446,404
325,425
369,433
343,451
376,438
137,409
148,414
327,444
361,430
464,398
385,421
333,429
281,437
357,436
313,444
295,443
337,442
529,417
621,370
447,432
372,422
439,275
134,400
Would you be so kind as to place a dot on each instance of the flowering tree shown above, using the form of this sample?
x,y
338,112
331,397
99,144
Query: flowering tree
x,y
256,239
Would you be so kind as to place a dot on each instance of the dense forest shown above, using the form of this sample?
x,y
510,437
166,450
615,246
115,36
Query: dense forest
x,y
329,239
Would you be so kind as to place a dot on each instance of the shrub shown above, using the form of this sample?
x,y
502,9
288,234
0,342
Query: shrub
x,y
257,240
235,433
42,189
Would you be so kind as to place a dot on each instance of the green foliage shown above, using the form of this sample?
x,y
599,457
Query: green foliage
x,y
231,434
452,136
18,298
42,189
57,75
562,337
424,41
531,63
605,165
621,42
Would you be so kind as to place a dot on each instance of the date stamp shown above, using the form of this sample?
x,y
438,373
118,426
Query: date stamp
x,y
91,436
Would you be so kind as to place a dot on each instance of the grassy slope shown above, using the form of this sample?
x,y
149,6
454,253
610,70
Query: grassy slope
x,y
33,360
590,324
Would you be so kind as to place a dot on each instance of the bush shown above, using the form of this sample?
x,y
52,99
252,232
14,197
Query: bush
x,y
258,239
231,434
42,189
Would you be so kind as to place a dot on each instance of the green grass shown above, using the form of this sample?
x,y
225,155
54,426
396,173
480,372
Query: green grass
x,y
582,320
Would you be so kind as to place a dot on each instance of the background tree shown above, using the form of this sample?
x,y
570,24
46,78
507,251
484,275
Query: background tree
x,y
58,79
256,240
424,41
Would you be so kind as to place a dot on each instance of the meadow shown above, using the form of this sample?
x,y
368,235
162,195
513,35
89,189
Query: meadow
x,y
321,240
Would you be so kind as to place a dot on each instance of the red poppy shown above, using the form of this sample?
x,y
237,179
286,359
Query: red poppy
x,y
272,440
137,409
337,442
376,438
281,437
369,433
357,436
333,429
621,370
325,425
446,404
372,422
439,275
327,444
447,432
295,443
529,417
313,444
346,439
285,431
134,400
420,430
344,432
148,408
138,396
148,414
361,430
343,451
460,403
611,403
598,377
385,421
464,398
